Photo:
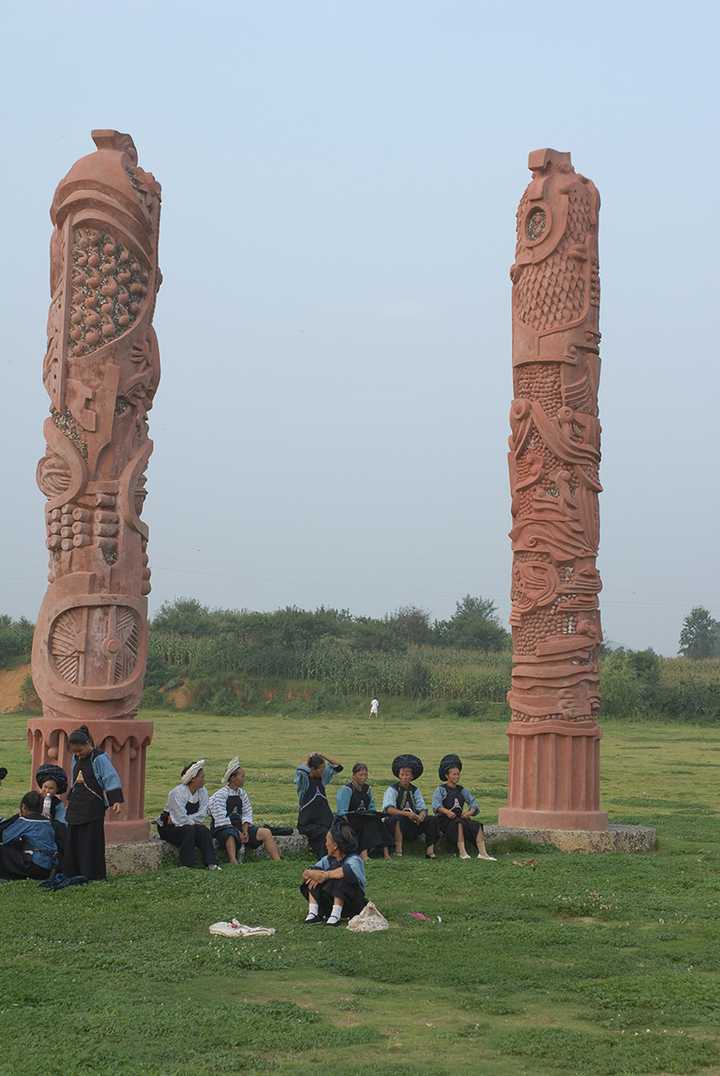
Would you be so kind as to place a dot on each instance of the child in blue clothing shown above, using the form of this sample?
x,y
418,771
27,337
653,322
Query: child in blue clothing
x,y
335,886
28,848
95,787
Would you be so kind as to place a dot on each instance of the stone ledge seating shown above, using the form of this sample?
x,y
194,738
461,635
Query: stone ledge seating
x,y
151,854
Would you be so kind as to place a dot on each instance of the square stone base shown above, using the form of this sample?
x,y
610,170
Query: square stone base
x,y
616,838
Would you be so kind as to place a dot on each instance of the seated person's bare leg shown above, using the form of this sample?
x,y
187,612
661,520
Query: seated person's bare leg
x,y
482,848
268,842
231,849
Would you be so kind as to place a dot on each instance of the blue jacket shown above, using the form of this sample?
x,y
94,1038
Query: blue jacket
x,y
36,836
302,779
105,774
391,796
343,798
465,794
353,867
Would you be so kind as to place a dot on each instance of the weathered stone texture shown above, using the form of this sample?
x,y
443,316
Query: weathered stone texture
x,y
101,370
554,479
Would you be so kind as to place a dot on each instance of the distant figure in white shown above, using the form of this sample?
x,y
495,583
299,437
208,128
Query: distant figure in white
x,y
375,708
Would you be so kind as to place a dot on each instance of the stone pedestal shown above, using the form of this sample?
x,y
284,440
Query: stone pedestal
x,y
554,776
125,742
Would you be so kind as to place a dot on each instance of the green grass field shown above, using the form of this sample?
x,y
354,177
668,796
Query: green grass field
x,y
543,962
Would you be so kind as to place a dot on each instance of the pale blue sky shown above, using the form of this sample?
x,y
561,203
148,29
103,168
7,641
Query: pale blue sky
x,y
339,187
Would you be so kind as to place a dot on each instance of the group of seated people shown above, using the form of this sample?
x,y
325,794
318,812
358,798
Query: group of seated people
x,y
49,834
335,886
403,817
229,811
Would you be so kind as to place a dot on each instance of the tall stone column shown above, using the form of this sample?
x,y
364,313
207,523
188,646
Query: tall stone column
x,y
101,370
554,463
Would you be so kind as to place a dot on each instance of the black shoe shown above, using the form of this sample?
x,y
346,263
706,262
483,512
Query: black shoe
x,y
315,919
336,923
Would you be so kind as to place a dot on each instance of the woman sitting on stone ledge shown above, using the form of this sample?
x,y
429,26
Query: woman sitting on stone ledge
x,y
455,808
231,817
182,823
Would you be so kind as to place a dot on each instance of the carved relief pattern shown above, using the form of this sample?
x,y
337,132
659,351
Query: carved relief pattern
x,y
108,286
101,371
555,447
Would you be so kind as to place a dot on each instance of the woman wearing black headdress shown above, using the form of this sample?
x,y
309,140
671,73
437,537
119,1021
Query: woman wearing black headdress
x,y
455,808
95,787
335,886
52,782
355,804
404,808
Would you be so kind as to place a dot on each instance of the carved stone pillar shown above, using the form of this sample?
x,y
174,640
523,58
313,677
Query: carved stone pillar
x,y
101,371
554,479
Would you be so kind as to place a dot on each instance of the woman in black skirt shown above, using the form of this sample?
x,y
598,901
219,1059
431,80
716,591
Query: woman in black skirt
x,y
355,803
334,887
455,808
95,787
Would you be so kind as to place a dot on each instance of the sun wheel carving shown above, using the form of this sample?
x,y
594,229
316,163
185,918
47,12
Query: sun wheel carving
x,y
95,646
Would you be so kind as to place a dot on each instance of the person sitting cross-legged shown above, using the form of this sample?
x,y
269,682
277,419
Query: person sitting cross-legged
x,y
182,823
231,817
455,808
335,886
404,807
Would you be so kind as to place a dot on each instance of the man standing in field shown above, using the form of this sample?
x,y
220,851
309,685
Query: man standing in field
x,y
374,707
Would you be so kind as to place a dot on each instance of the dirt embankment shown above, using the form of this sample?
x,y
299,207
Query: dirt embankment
x,y
11,681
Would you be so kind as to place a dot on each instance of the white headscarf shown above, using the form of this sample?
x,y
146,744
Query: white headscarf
x,y
192,771
232,767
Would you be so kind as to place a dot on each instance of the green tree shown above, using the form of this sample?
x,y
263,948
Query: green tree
x,y
474,625
411,625
15,640
700,635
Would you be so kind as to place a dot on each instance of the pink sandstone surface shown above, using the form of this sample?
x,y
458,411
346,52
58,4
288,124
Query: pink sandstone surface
x,y
101,371
554,463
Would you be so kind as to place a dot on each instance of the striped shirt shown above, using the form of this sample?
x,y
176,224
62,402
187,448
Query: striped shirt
x,y
218,806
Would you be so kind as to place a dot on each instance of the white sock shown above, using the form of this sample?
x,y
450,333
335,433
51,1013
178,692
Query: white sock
x,y
336,913
313,909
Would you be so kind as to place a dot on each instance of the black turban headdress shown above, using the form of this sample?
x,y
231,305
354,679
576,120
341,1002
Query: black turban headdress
x,y
50,772
447,762
411,762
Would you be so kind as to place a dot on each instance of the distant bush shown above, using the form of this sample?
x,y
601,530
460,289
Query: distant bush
x,y
15,640
30,702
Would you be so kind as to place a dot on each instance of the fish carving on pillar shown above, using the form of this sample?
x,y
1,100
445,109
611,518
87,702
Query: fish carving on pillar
x,y
554,459
101,370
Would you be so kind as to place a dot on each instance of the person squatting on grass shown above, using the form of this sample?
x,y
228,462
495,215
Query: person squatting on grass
x,y
231,817
455,807
355,804
404,807
182,823
335,886
28,846
314,814
95,787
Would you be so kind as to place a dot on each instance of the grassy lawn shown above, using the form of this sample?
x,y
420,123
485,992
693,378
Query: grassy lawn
x,y
543,962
